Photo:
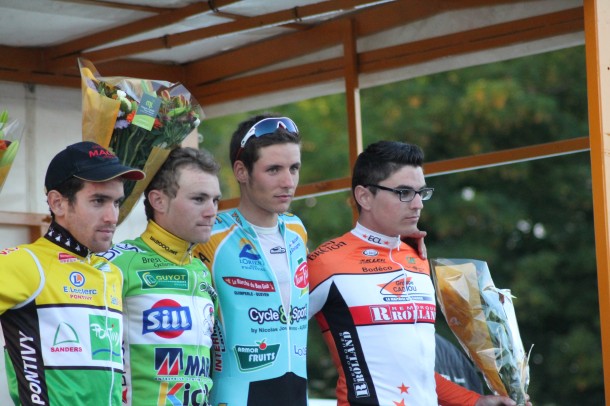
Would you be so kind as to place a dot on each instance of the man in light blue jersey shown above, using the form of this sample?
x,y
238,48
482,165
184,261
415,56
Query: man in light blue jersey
x,y
257,254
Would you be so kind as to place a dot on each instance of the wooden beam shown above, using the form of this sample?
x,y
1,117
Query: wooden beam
x,y
293,45
168,17
461,164
507,156
393,57
121,6
597,32
28,64
352,91
485,38
352,97
15,218
283,18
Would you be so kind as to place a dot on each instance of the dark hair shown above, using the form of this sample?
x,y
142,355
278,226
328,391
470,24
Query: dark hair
x,y
249,154
166,178
68,189
381,159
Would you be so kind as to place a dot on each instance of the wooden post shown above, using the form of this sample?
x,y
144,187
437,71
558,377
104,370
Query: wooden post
x,y
597,32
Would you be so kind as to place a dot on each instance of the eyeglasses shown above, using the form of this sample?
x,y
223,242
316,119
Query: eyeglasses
x,y
407,194
268,126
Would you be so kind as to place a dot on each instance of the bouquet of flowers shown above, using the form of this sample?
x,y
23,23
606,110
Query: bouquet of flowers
x,y
10,137
139,120
483,319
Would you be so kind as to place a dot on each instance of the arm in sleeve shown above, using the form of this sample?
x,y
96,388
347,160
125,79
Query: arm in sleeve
x,y
318,286
22,278
452,394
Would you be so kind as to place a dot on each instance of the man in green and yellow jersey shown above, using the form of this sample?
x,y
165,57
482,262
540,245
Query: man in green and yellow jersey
x,y
169,302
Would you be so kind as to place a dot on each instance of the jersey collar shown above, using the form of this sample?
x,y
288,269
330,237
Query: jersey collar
x,y
167,245
374,238
62,237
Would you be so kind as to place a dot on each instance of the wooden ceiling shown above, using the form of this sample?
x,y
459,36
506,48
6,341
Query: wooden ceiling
x,y
228,50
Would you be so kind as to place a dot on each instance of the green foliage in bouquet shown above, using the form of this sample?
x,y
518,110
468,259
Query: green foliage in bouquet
x,y
483,320
139,120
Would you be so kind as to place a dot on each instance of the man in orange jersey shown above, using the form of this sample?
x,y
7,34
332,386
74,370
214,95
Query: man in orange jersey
x,y
372,294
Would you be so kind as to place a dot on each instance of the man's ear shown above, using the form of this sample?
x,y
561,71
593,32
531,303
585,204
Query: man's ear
x,y
240,171
158,200
57,204
363,196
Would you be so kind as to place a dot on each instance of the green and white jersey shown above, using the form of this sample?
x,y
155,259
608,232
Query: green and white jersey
x,y
169,309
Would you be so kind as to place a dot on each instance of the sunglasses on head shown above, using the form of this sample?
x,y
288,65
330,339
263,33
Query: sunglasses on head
x,y
268,126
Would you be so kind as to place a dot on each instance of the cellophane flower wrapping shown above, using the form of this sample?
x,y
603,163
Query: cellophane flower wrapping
x,y
482,317
11,132
139,120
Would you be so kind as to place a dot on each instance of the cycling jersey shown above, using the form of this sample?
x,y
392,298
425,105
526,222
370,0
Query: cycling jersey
x,y
260,348
169,319
374,301
60,309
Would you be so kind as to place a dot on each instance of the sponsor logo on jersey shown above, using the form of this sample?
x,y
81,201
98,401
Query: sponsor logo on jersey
x,y
326,247
164,279
66,258
167,319
218,347
353,375
154,261
252,357
76,291
77,279
398,286
182,394
171,362
118,249
403,313
248,252
370,252
299,351
372,261
376,239
271,315
208,319
105,336
7,251
249,259
277,250
301,277
402,289
249,284
295,244
375,269
163,246
31,361
66,339
168,361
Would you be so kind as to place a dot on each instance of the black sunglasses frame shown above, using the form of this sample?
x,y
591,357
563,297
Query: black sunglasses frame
x,y
424,193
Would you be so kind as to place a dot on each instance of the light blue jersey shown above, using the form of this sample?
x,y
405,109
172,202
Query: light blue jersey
x,y
259,347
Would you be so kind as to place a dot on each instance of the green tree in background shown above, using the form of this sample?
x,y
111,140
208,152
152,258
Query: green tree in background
x,y
532,221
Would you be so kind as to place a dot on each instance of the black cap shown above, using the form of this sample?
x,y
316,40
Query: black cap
x,y
88,161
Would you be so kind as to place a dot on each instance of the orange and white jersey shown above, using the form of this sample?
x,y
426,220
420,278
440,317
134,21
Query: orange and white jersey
x,y
374,301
